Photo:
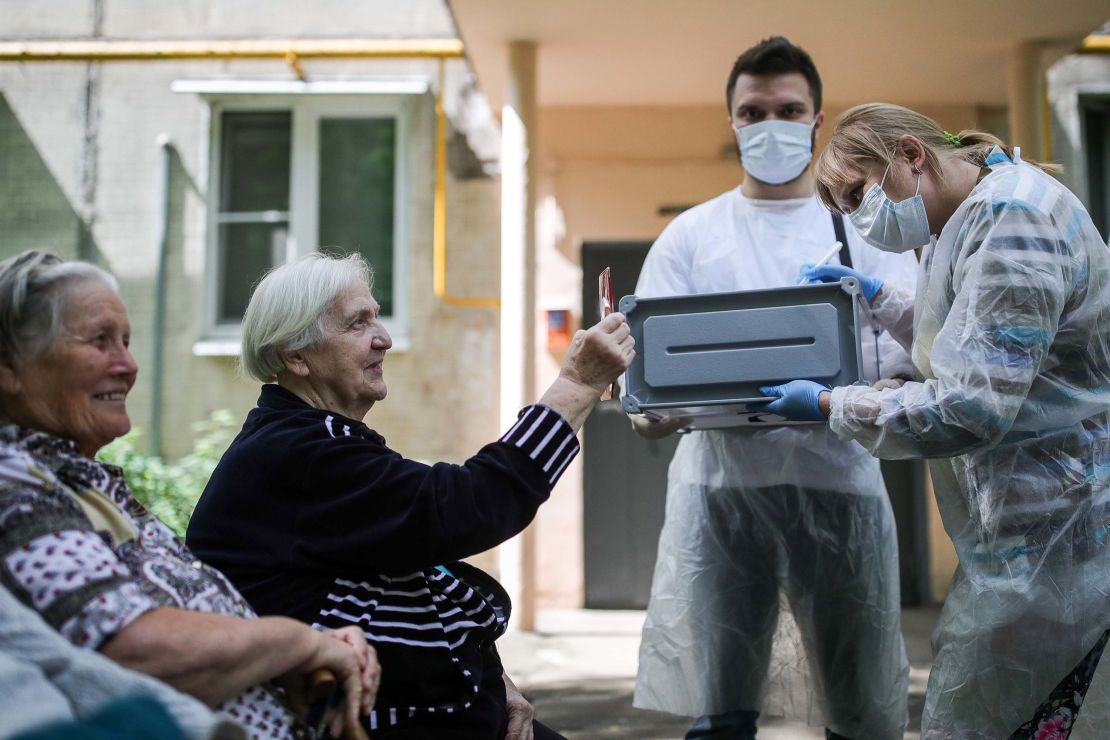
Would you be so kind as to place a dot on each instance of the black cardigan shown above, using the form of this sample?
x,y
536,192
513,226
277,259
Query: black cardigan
x,y
312,516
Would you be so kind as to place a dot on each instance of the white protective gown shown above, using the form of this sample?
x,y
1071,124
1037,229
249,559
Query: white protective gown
x,y
1011,335
776,582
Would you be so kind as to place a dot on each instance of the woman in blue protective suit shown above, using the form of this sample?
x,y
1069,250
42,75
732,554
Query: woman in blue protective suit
x,y
1010,337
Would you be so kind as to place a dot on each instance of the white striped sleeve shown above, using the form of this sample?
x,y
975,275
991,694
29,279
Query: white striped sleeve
x,y
545,437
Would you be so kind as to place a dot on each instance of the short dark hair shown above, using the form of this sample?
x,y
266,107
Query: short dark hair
x,y
775,56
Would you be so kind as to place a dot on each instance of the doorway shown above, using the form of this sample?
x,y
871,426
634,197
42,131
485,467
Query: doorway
x,y
1095,113
624,478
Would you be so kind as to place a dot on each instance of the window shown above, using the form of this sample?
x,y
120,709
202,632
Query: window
x,y
253,219
294,174
357,162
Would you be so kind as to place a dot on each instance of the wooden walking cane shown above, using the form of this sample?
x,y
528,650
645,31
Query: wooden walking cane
x,y
323,686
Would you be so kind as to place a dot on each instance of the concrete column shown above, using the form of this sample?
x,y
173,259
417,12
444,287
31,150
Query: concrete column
x,y
518,293
1027,99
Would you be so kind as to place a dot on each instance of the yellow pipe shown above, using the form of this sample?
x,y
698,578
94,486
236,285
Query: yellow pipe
x,y
1096,43
439,217
292,51
122,51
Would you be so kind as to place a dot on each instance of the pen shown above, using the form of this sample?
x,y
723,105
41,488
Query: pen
x,y
834,249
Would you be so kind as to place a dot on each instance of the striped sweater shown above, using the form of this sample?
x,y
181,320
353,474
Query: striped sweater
x,y
312,516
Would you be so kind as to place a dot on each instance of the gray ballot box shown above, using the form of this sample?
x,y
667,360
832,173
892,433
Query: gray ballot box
x,y
706,356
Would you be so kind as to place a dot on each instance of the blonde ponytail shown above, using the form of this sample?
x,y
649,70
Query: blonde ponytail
x,y
979,144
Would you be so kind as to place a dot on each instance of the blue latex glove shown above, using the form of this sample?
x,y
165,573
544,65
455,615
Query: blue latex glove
x,y
797,400
832,274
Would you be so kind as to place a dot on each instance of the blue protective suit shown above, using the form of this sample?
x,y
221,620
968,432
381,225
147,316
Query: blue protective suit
x,y
1011,338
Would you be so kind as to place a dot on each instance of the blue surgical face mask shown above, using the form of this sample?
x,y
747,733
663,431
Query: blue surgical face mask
x,y
775,152
890,226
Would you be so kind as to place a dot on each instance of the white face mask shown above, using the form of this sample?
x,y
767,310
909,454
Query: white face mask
x,y
890,226
775,152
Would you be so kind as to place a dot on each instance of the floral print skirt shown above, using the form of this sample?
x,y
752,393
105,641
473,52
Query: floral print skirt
x,y
1054,718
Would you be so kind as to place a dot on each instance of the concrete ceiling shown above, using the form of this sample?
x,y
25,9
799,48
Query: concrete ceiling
x,y
679,52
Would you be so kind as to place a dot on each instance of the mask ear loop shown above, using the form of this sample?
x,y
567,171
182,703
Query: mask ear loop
x,y
914,170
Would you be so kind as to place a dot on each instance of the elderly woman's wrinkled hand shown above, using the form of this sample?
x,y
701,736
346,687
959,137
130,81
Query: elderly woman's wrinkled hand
x,y
356,669
601,353
370,671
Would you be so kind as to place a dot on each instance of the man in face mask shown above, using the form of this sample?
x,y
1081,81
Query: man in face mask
x,y
776,583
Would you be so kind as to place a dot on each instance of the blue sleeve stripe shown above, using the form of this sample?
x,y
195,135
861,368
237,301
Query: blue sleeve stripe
x,y
1028,244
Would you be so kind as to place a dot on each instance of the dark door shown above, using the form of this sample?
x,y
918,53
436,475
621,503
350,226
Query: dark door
x,y
624,476
1095,111
624,481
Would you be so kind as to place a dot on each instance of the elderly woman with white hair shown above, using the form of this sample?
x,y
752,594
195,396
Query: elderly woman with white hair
x,y
312,516
77,547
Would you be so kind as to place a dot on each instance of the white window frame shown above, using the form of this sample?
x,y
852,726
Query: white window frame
x,y
307,111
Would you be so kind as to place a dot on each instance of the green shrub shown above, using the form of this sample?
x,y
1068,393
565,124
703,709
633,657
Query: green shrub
x,y
171,489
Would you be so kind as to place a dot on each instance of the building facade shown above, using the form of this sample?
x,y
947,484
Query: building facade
x,y
309,127
189,146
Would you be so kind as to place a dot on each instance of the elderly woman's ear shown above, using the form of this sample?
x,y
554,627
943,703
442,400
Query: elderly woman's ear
x,y
294,362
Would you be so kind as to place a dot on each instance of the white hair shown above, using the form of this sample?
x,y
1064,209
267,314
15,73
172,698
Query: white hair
x,y
34,288
288,308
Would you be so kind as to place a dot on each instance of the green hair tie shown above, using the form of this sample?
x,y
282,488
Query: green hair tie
x,y
952,139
